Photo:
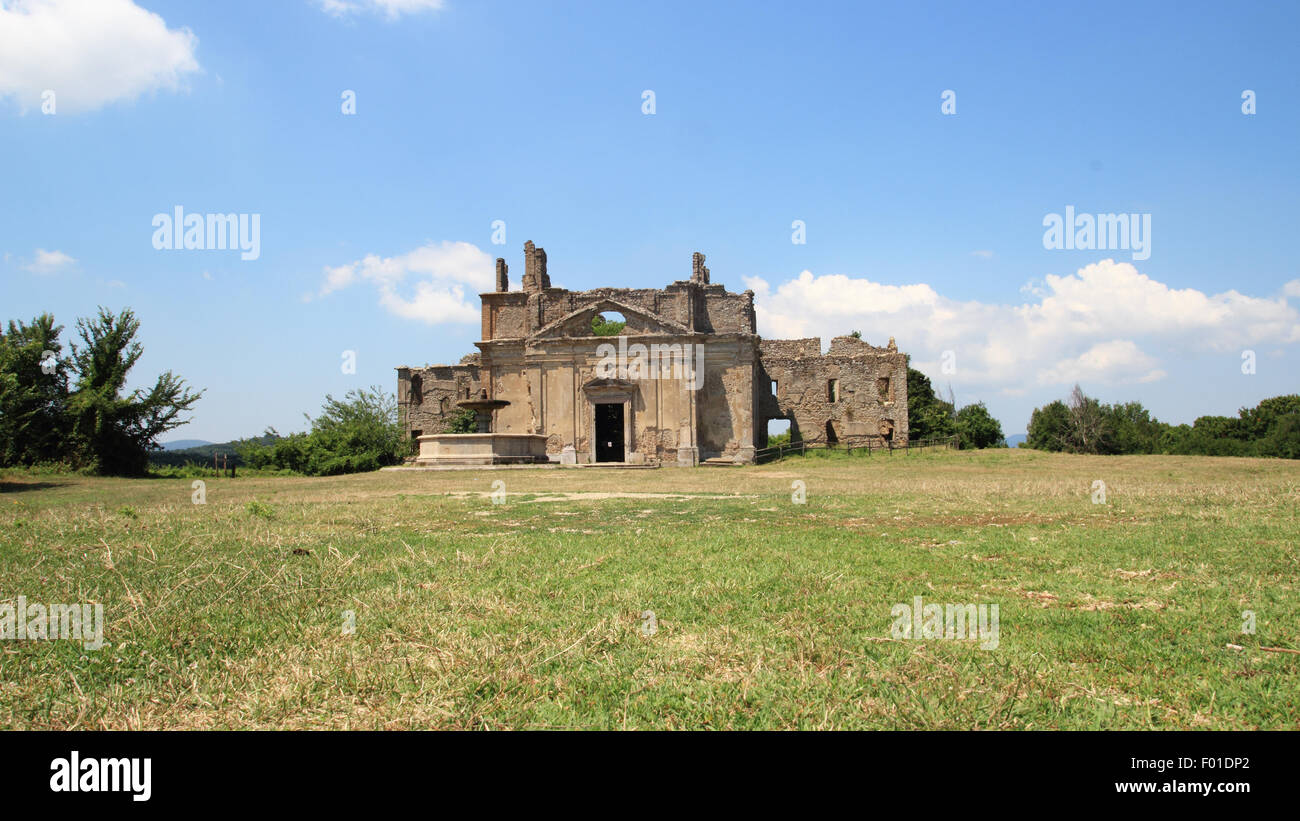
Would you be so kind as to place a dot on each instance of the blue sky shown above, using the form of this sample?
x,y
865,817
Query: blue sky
x,y
376,228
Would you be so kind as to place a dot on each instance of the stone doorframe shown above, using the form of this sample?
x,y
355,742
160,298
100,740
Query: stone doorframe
x,y
609,392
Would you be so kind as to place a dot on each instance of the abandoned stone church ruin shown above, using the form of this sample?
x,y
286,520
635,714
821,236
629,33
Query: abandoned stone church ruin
x,y
688,380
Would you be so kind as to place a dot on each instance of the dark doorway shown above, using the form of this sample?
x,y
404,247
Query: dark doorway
x,y
609,432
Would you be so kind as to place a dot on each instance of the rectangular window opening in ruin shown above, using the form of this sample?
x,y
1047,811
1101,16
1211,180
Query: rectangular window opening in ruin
x,y
778,432
882,389
774,387
833,390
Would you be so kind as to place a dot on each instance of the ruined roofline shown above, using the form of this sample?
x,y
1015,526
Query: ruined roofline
x,y
537,280
852,345
811,346
700,336
444,365
677,285
473,356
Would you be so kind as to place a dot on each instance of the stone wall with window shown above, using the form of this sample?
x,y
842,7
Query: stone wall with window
x,y
853,391
426,397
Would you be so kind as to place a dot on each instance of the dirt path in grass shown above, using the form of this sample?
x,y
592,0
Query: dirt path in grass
x,y
598,495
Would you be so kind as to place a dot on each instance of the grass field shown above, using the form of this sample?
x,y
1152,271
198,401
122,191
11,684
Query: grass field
x,y
770,614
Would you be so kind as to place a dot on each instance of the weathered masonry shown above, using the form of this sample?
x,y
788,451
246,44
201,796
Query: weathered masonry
x,y
689,379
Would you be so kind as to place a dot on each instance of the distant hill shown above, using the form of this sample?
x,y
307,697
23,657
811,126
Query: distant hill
x,y
182,444
174,453
1015,440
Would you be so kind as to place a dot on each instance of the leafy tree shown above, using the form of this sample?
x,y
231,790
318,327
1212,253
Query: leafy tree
x,y
978,428
1258,422
1080,424
607,327
1132,428
928,416
1174,438
74,409
1283,438
1214,436
110,431
1089,427
1049,427
1219,427
33,393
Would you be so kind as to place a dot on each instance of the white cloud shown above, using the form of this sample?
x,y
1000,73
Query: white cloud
x,y
392,9
982,254
49,262
449,276
1119,360
88,52
1292,288
1086,326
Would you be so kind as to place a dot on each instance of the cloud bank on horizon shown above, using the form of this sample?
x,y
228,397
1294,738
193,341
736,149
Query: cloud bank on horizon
x,y
1080,327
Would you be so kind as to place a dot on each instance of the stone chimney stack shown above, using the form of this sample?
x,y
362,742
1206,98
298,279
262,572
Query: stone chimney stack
x,y
535,276
699,273
503,281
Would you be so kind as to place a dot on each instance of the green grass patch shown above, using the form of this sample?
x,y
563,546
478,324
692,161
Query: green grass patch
x,y
770,614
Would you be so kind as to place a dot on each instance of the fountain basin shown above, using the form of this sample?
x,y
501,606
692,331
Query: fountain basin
x,y
481,449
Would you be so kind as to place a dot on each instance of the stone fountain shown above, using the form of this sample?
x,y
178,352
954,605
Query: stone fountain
x,y
482,447
483,409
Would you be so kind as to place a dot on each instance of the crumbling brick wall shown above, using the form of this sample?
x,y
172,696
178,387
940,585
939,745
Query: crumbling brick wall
x,y
854,391
426,397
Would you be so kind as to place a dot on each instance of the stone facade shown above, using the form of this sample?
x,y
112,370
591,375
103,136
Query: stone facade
x,y
688,379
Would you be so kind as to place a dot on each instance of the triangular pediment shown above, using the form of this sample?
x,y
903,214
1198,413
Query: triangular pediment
x,y
578,323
